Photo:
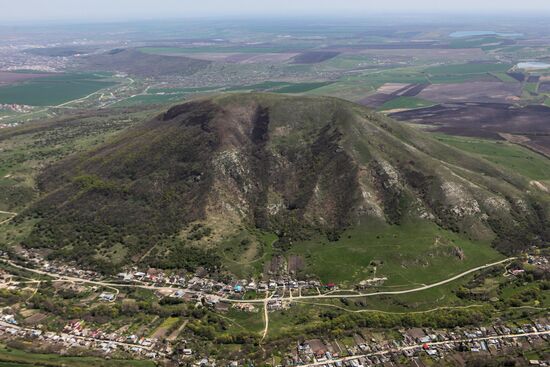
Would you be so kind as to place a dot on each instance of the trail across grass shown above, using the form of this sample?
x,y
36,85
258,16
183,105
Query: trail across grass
x,y
413,253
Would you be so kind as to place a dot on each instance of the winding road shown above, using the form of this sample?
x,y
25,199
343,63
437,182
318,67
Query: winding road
x,y
262,300
267,297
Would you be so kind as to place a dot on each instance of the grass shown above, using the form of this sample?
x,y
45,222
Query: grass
x,y
218,49
265,86
150,99
474,42
457,78
53,90
406,103
531,87
460,73
246,259
301,87
280,87
469,68
14,357
413,253
402,75
503,77
508,155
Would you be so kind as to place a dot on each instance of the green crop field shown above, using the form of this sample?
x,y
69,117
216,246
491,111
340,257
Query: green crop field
x,y
280,87
151,99
301,87
531,87
414,253
53,90
13,357
265,86
470,68
458,78
406,102
402,75
217,49
475,42
503,77
514,157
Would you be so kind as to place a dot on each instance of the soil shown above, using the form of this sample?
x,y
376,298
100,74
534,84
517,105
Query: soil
x,y
485,92
486,120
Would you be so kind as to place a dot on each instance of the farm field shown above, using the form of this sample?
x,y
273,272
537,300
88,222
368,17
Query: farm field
x,y
475,91
485,120
53,90
470,68
11,77
511,156
405,103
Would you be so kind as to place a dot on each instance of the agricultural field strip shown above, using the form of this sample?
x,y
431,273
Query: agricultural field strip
x,y
263,300
418,346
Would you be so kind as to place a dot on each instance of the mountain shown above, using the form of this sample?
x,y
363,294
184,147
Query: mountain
x,y
284,164
135,62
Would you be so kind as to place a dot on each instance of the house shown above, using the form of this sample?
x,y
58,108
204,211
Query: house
x,y
10,319
318,348
107,296
416,334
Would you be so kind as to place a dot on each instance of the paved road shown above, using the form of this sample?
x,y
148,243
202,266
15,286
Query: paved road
x,y
419,346
321,296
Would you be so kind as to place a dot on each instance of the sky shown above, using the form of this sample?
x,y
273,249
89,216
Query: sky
x,y
76,10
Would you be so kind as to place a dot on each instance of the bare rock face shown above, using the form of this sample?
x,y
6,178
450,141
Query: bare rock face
x,y
284,164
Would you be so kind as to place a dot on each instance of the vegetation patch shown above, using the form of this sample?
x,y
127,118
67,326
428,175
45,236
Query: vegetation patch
x,y
53,90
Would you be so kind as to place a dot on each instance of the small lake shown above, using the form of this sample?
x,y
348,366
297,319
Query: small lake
x,y
460,34
533,65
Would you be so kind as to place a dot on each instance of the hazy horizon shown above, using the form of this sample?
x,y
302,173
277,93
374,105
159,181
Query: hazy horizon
x,y
128,10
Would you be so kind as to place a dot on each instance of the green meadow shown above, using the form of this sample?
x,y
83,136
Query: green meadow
x,y
511,156
406,102
54,90
413,253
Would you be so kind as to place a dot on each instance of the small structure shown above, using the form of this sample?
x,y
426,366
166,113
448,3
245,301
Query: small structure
x,y
107,296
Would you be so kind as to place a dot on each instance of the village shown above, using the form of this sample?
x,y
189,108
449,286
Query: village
x,y
412,345
190,286
417,344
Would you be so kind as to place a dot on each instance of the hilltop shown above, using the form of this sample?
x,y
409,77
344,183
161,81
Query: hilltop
x,y
293,166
